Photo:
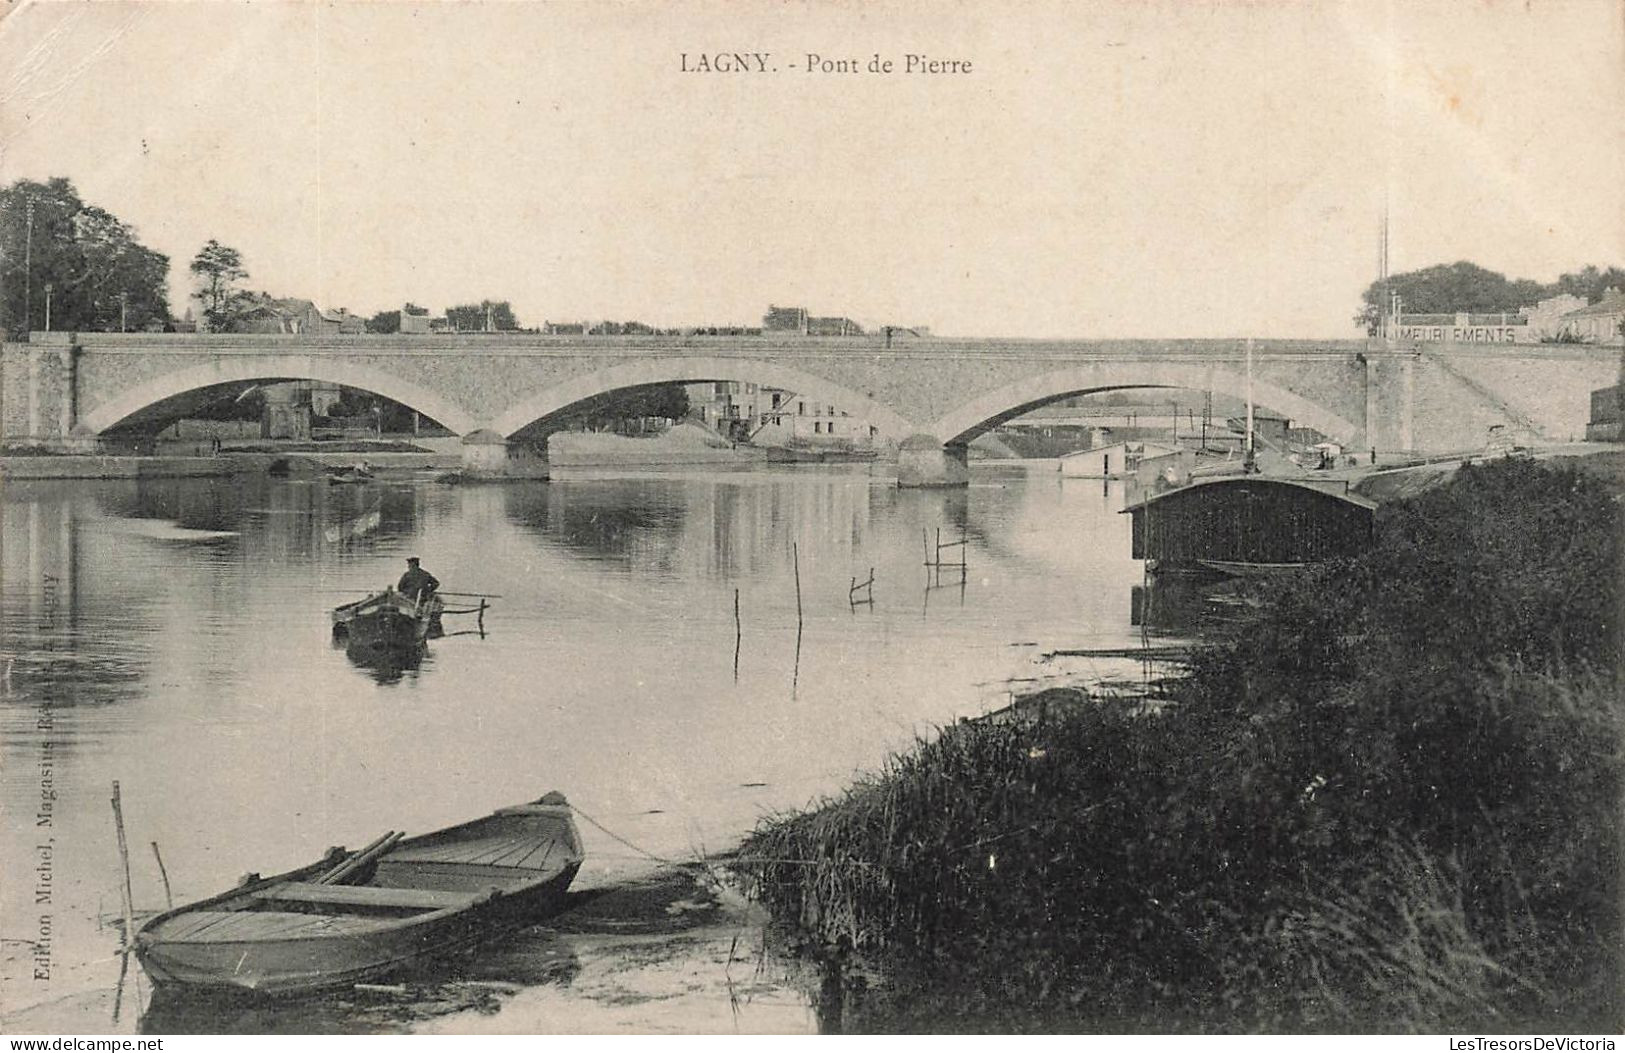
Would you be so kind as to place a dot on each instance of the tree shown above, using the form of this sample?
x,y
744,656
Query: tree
x,y
384,322
1590,282
218,268
101,278
471,318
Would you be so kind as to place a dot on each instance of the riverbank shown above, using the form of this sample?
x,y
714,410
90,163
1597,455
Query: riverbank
x,y
18,467
1391,802
685,444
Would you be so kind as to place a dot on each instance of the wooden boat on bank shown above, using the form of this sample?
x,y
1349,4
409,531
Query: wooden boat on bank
x,y
1236,568
356,916
389,619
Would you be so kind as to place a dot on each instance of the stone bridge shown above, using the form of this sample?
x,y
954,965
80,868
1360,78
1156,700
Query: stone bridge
x,y
928,396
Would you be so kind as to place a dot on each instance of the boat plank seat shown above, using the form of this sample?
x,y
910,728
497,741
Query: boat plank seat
x,y
366,896
490,851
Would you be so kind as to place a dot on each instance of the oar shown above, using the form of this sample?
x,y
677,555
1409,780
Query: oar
x,y
360,859
470,595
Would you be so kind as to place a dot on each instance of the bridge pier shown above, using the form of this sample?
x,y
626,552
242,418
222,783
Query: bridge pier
x,y
1390,401
924,461
487,455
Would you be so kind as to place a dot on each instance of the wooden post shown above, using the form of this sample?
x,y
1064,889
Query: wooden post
x,y
737,635
169,898
795,554
124,858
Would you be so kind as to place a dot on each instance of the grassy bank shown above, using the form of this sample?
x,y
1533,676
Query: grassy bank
x,y
1392,802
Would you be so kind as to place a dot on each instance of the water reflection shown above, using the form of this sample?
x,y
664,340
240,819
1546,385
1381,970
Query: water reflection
x,y
384,663
434,987
1185,603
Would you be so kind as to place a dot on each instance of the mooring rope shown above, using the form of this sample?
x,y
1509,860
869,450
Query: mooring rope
x,y
636,848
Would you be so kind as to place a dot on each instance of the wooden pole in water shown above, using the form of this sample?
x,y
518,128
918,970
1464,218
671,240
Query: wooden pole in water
x,y
169,897
795,555
737,634
124,857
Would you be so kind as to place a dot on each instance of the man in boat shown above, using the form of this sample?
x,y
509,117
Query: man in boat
x,y
416,582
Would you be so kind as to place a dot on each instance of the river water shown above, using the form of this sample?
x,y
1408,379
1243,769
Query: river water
x,y
173,635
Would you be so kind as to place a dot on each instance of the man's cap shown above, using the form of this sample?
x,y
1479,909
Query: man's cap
x,y
411,559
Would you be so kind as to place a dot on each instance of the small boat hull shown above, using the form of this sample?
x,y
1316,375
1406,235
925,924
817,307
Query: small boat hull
x,y
294,934
305,965
389,620
1242,569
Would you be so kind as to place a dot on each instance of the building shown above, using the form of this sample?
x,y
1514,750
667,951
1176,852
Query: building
x,y
1599,323
342,322
784,319
746,412
797,320
1544,321
833,326
269,314
1117,460
416,320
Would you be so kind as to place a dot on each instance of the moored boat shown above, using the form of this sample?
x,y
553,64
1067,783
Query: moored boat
x,y
356,916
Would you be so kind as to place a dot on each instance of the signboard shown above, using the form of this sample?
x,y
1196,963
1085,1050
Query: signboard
x,y
1464,334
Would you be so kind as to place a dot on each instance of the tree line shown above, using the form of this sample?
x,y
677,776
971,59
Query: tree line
x,y
69,265
1463,286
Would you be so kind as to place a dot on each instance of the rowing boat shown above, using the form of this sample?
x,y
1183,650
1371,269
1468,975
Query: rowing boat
x,y
355,916
389,619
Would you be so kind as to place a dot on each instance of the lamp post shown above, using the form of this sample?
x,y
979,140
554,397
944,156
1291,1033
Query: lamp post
x,y
28,270
48,290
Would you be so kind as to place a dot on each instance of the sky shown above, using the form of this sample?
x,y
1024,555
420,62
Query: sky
x,y
1105,169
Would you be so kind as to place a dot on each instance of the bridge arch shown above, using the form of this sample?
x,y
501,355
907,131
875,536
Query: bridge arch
x,y
889,424
985,412
270,368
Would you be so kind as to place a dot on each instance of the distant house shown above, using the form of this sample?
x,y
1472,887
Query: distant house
x,y
1598,323
797,320
1116,461
269,314
342,322
416,320
784,319
833,326
1544,320
564,328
